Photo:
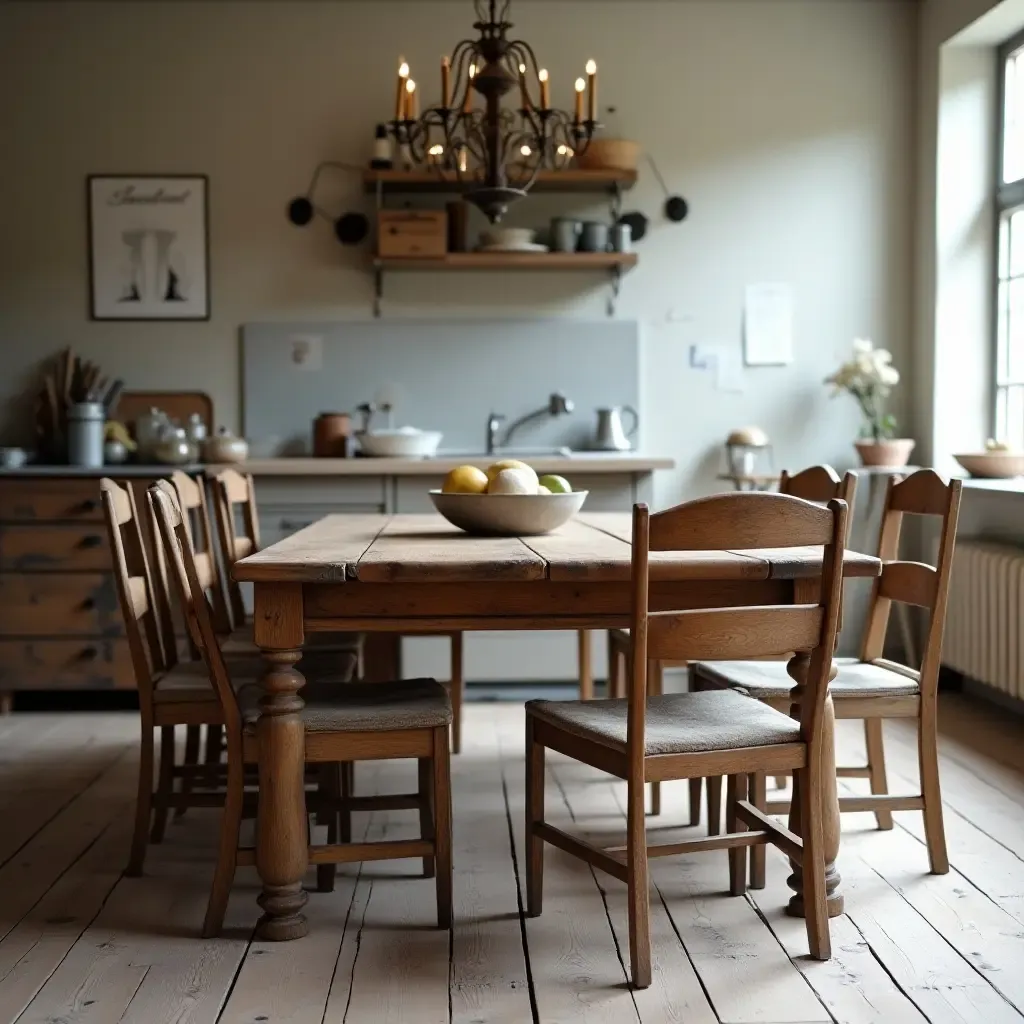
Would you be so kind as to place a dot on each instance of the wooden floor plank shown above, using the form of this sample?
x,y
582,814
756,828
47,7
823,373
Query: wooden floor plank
x,y
575,965
489,976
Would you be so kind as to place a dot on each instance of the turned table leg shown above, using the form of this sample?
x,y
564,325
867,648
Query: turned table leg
x,y
282,852
797,668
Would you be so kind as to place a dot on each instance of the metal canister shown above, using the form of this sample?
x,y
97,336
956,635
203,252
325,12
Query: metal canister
x,y
85,434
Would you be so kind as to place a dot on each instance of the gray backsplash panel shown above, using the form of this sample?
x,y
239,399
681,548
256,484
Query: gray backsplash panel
x,y
440,376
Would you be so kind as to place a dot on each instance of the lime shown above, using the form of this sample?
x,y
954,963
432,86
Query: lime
x,y
556,484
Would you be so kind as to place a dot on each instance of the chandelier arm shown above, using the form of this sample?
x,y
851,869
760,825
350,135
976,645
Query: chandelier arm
x,y
462,57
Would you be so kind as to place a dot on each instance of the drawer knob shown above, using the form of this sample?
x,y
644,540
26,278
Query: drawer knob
x,y
88,604
91,541
89,505
88,654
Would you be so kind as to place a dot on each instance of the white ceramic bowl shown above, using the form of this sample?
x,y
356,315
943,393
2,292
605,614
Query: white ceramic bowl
x,y
508,515
998,465
509,238
400,444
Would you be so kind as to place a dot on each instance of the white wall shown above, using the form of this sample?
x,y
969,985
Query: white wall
x,y
787,124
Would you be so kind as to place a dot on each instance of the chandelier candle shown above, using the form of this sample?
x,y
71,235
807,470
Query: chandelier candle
x,y
403,74
545,98
467,104
592,94
411,103
580,86
524,93
446,85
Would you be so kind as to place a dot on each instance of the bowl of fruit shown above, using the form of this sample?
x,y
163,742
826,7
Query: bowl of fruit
x,y
998,461
508,500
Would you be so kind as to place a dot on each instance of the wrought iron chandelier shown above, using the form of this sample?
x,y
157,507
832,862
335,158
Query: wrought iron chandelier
x,y
497,151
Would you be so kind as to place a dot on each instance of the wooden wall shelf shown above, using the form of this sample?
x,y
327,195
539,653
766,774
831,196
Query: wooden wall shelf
x,y
613,263
547,181
511,261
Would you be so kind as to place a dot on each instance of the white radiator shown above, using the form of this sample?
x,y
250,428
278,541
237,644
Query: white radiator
x,y
984,637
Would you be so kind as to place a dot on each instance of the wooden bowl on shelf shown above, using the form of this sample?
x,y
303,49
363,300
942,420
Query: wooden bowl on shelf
x,y
993,465
609,155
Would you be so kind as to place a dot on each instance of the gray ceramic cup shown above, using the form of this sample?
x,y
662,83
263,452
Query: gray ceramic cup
x,y
594,237
565,234
622,237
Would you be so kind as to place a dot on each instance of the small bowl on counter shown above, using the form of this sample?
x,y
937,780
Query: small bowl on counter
x,y
508,515
13,458
403,443
995,465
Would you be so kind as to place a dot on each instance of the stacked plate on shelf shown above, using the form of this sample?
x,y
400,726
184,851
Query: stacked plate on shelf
x,y
509,240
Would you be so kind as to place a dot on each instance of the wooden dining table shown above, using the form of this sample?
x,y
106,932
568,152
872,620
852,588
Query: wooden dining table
x,y
418,574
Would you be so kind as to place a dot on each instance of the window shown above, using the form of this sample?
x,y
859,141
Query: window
x,y
1009,348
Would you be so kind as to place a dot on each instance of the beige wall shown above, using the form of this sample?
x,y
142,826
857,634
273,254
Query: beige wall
x,y
787,124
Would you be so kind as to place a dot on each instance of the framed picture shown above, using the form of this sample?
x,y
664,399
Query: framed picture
x,y
148,247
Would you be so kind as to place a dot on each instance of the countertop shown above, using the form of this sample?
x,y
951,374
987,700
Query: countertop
x,y
584,463
117,472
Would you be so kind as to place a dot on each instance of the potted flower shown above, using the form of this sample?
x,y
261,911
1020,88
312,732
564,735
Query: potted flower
x,y
870,376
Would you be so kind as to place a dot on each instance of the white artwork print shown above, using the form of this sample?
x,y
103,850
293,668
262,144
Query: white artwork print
x,y
148,248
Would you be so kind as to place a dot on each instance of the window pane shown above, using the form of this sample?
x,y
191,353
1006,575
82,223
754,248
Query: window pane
x,y
1004,248
1015,334
1013,145
1014,429
1002,332
1017,243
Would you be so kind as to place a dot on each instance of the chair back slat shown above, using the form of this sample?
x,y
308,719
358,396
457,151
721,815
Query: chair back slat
x,y
152,652
923,493
234,498
174,537
191,495
909,582
740,520
728,633
822,484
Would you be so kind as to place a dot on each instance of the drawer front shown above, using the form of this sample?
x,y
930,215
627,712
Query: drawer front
x,y
49,604
335,493
25,548
25,500
65,665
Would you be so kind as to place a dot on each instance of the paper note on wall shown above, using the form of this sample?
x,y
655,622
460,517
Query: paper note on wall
x,y
307,352
768,325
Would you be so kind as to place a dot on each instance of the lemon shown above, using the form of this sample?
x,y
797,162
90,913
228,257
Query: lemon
x,y
497,467
556,484
465,480
514,481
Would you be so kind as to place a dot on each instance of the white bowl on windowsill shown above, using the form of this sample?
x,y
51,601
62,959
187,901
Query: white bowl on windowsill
x,y
404,443
993,465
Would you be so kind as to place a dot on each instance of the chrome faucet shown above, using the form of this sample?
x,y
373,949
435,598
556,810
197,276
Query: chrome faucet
x,y
557,405
494,422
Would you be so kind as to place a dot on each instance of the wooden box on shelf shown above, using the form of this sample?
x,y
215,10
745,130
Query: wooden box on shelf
x,y
418,233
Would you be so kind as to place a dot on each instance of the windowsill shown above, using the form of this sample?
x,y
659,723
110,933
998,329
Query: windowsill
x,y
1013,485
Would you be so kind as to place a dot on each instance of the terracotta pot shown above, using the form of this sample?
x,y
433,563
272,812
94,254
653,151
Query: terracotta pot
x,y
892,452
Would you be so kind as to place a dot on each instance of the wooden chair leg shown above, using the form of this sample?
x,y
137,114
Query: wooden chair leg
x,y
330,788
425,772
655,688
638,891
876,765
534,815
143,804
586,672
808,791
758,854
714,784
227,851
613,666
191,760
781,781
696,786
165,785
443,826
346,787
214,748
736,790
6,702
928,765
457,692
618,688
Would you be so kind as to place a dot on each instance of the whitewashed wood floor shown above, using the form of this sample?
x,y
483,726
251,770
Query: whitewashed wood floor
x,y
79,943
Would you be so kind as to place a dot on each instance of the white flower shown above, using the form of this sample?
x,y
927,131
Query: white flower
x,y
889,376
862,346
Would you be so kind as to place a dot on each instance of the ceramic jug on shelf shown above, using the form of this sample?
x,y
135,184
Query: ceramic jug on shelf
x,y
611,436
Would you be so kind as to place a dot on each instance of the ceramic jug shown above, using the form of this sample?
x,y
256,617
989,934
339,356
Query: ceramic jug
x,y
611,436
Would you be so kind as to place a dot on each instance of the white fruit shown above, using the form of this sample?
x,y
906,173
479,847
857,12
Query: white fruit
x,y
541,489
513,481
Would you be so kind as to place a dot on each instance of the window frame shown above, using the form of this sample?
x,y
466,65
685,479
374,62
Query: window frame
x,y
1008,199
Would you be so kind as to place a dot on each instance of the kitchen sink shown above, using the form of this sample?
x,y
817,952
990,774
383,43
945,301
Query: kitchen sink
x,y
516,453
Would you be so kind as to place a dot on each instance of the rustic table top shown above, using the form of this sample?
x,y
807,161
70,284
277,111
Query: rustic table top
x,y
595,547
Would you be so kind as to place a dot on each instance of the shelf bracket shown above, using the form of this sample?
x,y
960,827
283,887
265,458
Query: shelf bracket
x,y
615,202
616,286
378,289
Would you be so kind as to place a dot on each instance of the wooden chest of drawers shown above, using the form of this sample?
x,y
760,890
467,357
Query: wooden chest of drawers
x,y
60,624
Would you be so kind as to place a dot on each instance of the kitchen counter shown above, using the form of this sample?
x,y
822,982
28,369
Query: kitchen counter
x,y
584,462
119,472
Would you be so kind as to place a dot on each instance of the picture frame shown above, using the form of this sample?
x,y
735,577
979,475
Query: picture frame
x,y
149,246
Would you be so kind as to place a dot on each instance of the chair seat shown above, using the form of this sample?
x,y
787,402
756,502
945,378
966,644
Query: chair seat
x,y
677,723
187,682
240,643
364,707
768,680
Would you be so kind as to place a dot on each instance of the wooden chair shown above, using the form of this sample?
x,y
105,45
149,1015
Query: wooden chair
x,y
171,692
818,483
686,735
872,687
407,719
238,523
